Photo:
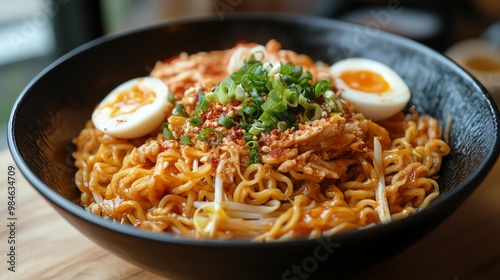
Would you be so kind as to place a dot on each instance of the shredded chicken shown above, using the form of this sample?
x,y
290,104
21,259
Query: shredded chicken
x,y
311,164
329,137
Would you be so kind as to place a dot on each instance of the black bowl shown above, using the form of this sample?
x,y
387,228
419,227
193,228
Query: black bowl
x,y
55,106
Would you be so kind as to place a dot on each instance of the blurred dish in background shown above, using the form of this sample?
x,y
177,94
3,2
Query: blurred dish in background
x,y
425,23
398,20
481,58
492,33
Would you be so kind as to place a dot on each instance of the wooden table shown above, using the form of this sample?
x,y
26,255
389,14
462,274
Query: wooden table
x,y
465,246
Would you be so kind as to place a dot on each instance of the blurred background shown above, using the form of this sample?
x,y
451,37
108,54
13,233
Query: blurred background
x,y
34,33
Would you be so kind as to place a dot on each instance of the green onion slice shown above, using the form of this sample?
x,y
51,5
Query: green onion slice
x,y
180,111
211,136
186,140
271,95
196,121
254,156
282,126
227,122
321,87
253,144
225,91
166,132
171,97
248,136
202,106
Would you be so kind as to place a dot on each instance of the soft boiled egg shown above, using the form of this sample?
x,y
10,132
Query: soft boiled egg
x,y
133,109
376,90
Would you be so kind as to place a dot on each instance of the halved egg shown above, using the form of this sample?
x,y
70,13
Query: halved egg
x,y
133,109
376,90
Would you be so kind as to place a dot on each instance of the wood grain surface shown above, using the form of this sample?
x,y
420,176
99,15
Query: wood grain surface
x,y
465,246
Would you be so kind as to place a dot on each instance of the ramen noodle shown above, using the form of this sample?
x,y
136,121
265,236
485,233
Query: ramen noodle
x,y
257,142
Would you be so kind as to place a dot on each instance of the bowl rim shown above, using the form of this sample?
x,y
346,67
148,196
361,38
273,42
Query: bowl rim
x,y
461,191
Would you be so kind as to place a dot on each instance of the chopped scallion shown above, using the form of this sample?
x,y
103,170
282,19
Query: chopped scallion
x,y
211,136
270,96
185,140
282,126
254,130
240,93
180,111
226,122
254,156
196,121
225,91
321,87
166,132
248,136
202,106
253,144
171,97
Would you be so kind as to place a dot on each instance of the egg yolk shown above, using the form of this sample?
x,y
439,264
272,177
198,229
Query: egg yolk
x,y
365,80
130,100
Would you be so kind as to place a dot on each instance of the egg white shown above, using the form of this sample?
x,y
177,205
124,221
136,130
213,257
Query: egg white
x,y
374,106
135,123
